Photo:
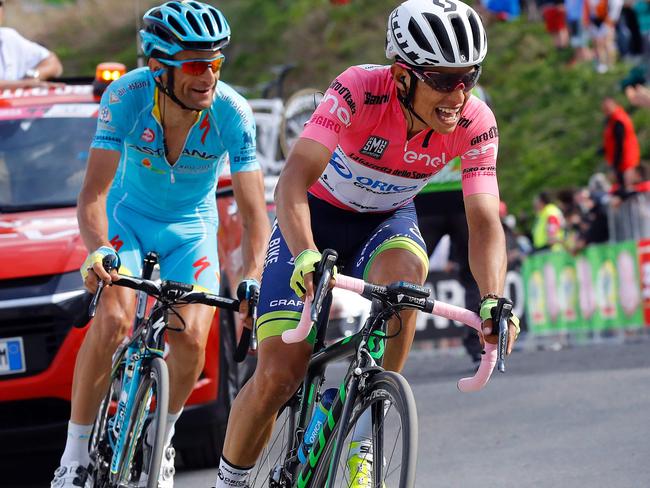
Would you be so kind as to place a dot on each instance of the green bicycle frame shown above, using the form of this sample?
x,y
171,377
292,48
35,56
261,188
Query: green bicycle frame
x,y
345,348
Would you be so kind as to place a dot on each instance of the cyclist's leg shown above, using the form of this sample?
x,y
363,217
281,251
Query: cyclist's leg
x,y
188,254
280,367
395,252
109,327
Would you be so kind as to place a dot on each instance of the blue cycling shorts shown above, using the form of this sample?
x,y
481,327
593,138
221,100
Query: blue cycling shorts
x,y
357,238
187,249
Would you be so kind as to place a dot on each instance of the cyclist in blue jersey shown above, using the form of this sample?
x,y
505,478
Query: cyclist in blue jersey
x,y
164,133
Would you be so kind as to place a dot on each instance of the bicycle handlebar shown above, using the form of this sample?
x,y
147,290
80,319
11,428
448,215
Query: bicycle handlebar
x,y
428,305
169,290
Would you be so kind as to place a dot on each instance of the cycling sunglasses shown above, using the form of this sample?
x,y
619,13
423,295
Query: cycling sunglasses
x,y
447,82
196,67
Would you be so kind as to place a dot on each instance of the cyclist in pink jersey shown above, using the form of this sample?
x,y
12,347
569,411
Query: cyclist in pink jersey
x,y
376,138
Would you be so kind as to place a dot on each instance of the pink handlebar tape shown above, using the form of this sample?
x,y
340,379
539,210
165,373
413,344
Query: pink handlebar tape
x,y
441,309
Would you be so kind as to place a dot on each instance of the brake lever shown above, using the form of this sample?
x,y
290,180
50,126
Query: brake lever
x,y
504,310
325,267
92,308
252,313
248,339
108,263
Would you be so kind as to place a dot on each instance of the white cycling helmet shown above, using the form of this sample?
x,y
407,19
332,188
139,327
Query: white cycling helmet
x,y
428,33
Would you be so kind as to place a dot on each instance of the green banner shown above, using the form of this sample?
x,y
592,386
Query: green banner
x,y
597,289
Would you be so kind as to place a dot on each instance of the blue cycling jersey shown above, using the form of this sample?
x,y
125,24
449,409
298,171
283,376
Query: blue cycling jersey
x,y
129,122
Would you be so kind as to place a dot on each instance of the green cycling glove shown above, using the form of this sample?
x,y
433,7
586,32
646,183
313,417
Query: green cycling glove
x,y
488,307
304,263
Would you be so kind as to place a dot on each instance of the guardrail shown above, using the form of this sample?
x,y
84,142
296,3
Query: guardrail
x,y
630,220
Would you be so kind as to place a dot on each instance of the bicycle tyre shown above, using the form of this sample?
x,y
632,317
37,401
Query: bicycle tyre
x,y
380,387
154,384
99,448
276,450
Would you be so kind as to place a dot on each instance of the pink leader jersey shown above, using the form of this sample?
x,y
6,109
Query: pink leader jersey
x,y
374,168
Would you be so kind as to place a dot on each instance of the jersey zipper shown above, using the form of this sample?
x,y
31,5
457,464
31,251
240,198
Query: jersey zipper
x,y
172,178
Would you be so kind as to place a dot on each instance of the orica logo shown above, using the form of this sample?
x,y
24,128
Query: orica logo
x,y
339,165
382,186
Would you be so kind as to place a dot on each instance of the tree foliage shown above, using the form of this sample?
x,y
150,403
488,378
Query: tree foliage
x,y
549,115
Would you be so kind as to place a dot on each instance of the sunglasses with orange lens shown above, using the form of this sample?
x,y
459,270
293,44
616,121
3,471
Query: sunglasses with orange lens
x,y
196,67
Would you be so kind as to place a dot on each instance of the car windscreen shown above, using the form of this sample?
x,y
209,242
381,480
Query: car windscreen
x,y
43,152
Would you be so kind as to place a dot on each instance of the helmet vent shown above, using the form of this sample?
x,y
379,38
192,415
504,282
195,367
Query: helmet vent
x,y
157,14
418,35
461,37
217,18
175,6
440,33
476,34
176,26
194,23
208,23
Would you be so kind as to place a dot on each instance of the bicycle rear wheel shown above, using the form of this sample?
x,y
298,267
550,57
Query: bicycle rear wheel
x,y
389,399
272,460
149,409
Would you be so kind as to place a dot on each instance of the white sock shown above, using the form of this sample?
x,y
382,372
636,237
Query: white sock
x,y
76,445
362,434
363,428
169,428
230,476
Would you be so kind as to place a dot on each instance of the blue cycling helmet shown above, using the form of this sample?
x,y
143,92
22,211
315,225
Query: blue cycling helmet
x,y
180,26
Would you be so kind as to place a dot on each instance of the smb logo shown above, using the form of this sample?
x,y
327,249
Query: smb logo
x,y
374,147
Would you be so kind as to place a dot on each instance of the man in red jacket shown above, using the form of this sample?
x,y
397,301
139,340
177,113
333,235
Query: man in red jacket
x,y
621,145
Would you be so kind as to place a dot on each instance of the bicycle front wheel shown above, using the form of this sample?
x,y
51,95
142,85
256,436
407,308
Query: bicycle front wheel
x,y
100,448
272,465
387,400
149,409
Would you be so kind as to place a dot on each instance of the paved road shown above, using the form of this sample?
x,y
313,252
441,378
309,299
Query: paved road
x,y
568,418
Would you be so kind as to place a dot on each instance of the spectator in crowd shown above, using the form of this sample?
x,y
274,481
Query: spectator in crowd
x,y
502,9
593,227
642,9
599,188
554,16
602,17
620,143
579,39
638,95
23,62
628,33
515,253
567,202
549,225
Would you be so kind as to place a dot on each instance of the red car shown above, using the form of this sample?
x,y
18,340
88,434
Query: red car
x,y
44,140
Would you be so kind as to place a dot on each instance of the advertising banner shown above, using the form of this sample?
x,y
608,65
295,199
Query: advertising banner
x,y
446,287
598,289
644,271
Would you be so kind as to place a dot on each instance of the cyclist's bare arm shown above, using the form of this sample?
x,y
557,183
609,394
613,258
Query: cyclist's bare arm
x,y
249,194
305,164
487,248
91,205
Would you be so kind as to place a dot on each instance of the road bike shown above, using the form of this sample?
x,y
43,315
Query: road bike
x,y
134,410
366,387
